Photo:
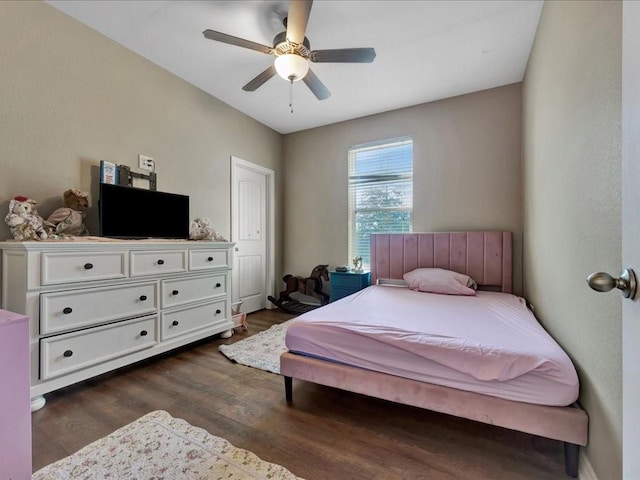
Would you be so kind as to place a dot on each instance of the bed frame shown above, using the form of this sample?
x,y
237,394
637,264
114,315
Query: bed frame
x,y
486,257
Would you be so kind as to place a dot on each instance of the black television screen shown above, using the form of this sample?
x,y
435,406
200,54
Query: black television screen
x,y
129,212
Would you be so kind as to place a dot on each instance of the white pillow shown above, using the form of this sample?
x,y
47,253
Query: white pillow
x,y
439,280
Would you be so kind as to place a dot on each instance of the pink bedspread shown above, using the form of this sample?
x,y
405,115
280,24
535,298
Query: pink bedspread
x,y
489,343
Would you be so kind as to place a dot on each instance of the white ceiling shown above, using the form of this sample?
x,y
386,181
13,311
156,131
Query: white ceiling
x,y
426,50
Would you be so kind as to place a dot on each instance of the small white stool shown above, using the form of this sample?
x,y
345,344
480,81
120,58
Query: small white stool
x,y
239,318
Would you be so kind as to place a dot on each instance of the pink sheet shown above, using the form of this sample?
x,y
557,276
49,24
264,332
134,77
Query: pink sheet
x,y
489,343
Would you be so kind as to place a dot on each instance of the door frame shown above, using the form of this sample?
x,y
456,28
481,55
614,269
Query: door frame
x,y
237,163
630,231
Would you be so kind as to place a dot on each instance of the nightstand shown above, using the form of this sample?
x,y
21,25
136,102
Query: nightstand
x,y
346,283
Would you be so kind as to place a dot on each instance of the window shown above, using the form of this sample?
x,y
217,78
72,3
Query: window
x,y
380,192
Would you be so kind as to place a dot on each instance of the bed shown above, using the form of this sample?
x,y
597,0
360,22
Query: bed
x,y
534,394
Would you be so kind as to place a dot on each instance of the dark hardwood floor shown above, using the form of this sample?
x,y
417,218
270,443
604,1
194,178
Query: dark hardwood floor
x,y
324,434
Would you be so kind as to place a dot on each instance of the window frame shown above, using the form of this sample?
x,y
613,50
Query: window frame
x,y
361,181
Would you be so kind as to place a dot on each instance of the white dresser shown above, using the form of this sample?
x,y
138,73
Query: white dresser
x,y
99,305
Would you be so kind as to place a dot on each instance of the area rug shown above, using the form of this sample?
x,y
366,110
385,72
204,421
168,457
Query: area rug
x,y
158,446
261,350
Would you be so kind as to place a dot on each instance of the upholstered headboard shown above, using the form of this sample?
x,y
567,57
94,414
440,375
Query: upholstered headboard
x,y
484,256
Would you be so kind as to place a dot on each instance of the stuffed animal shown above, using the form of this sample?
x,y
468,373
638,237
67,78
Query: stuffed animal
x,y
201,229
24,221
69,220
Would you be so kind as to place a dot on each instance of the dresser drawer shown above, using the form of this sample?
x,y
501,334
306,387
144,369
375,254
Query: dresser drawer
x,y
350,280
208,259
188,320
338,293
186,290
158,262
83,308
62,267
74,351
346,283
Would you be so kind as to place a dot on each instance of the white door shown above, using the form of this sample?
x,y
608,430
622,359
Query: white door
x,y
631,236
251,229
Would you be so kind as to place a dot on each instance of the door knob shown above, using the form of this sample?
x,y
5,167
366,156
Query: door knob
x,y
603,282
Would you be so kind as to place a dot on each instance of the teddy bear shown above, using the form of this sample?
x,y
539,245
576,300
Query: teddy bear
x,y
69,220
24,221
201,229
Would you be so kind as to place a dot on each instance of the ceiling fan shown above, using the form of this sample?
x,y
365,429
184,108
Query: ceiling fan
x,y
293,52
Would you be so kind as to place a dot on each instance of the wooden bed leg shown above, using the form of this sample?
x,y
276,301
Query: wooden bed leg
x,y
571,454
288,388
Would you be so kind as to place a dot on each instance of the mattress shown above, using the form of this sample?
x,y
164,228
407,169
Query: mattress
x,y
489,343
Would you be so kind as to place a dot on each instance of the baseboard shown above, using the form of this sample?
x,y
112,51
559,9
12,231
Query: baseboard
x,y
585,470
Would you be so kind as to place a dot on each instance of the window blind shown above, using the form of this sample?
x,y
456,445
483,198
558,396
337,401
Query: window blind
x,y
380,192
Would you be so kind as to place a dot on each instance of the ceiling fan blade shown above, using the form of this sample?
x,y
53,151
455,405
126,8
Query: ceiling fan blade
x,y
316,86
297,19
343,55
240,42
260,79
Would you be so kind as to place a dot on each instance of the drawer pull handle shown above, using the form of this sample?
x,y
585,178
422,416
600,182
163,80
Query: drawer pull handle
x,y
175,292
67,310
218,311
88,266
160,262
218,285
143,298
67,353
175,323
209,259
143,333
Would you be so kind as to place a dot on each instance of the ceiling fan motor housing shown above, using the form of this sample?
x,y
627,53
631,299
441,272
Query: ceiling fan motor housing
x,y
282,46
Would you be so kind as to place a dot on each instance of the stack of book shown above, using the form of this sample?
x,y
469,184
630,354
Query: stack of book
x,y
114,174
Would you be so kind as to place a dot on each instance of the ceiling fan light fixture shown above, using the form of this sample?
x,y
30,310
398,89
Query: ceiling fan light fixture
x,y
291,67
293,53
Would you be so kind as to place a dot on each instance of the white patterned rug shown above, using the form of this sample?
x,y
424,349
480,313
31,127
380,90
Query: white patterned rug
x,y
160,446
261,350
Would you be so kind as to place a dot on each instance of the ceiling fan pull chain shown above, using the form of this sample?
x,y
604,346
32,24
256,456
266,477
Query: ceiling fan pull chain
x,y
291,93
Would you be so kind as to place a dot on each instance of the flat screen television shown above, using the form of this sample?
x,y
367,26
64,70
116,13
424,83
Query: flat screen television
x,y
135,213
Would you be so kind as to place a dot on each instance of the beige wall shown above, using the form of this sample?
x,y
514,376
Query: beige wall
x,y
572,223
467,173
71,97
